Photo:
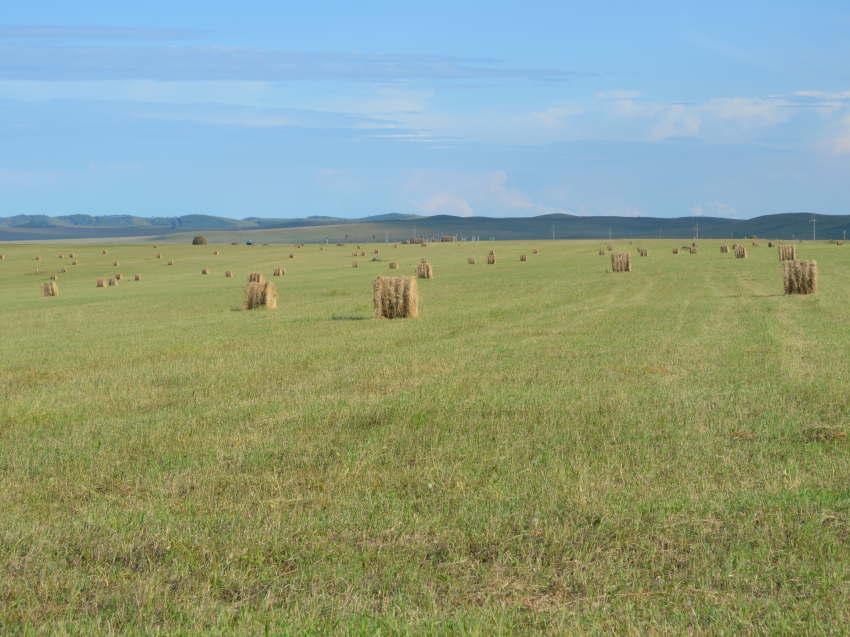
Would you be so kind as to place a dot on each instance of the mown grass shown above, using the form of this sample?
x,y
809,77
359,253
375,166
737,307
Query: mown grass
x,y
549,448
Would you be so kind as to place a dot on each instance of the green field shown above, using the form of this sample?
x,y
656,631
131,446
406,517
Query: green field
x,y
549,448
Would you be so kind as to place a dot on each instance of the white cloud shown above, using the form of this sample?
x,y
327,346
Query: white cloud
x,y
445,205
714,209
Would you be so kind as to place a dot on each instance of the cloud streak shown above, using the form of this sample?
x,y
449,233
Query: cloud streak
x,y
188,63
51,32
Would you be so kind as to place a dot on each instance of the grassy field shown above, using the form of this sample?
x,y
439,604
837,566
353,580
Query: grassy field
x,y
549,448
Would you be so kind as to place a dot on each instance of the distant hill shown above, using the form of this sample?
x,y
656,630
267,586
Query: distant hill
x,y
397,227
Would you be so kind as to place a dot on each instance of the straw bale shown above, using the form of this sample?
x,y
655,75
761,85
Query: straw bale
x,y
206,271
260,294
54,276
788,252
354,264
395,245
675,250
393,265
405,242
610,247
215,252
171,262
61,256
49,289
256,277
741,252
724,249
71,255
535,251
377,251
115,263
119,276
159,255
155,245
471,260
358,247
770,244
291,255
395,297
321,248
113,282
491,259
2,256
106,252
621,262
63,271
693,249
755,243
644,252
800,277
601,252
523,257
423,245
138,277
99,283
74,262
37,258
424,260
424,271
447,239
492,253
228,274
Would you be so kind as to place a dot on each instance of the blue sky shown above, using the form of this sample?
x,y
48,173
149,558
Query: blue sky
x,y
284,109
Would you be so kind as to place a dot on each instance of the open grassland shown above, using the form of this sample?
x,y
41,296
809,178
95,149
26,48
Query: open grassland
x,y
549,448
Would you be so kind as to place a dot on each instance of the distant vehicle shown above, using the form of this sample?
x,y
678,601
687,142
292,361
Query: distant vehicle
x,y
249,243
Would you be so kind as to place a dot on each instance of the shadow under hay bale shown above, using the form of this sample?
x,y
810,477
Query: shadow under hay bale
x,y
424,271
395,297
260,295
49,289
741,252
621,262
138,277
801,277
99,283
471,260
228,274
788,253
523,257
393,265
256,277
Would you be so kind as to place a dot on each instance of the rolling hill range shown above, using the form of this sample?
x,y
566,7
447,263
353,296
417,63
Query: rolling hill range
x,y
396,227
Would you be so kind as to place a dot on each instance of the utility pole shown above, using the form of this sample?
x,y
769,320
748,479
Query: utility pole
x,y
696,232
386,236
553,232
609,234
659,232
814,221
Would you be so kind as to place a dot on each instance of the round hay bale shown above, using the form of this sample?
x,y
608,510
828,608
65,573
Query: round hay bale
x,y
228,274
113,282
138,277
49,289
99,283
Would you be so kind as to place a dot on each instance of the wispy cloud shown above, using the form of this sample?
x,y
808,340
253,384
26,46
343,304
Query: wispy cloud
x,y
41,62
53,32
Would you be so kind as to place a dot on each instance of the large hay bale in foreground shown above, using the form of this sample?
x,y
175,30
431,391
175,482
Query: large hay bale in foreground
x,y
138,277
741,252
206,271
228,274
424,271
801,277
393,265
621,262
99,283
395,297
256,277
491,259
471,260
724,249
523,257
49,289
693,249
788,253
260,294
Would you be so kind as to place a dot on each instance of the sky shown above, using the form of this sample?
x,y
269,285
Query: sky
x,y
505,109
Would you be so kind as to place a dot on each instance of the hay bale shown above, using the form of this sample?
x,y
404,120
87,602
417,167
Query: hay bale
x,y
405,242
2,256
61,256
694,245
71,255
54,276
741,252
523,257
788,252
63,271
395,297
159,255
358,247
119,276
801,277
281,272
841,243
260,294
37,258
601,252
631,242
115,264
424,271
106,252
393,265
534,251
99,283
138,277
621,262
74,262
205,271
113,282
291,255
644,252
423,245
770,244
724,249
199,241
492,253
693,249
610,248
424,260
155,245
755,243
354,264
734,246
321,248
256,277
215,252
471,260
49,289
376,251
675,250
491,259
171,262
362,253
228,274
395,245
